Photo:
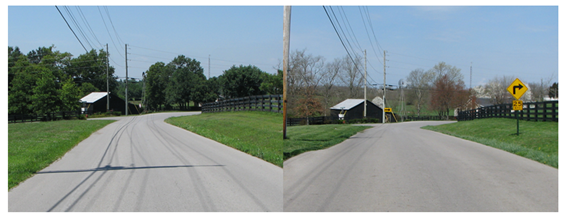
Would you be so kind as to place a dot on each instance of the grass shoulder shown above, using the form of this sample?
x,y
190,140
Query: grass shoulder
x,y
256,133
34,146
537,140
301,139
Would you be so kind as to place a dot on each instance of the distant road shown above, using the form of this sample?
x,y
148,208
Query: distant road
x,y
141,163
400,167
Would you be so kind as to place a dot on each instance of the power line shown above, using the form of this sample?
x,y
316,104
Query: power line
x,y
78,26
88,25
119,52
111,23
341,41
70,28
369,38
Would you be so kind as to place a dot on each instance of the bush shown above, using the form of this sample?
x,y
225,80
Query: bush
x,y
82,117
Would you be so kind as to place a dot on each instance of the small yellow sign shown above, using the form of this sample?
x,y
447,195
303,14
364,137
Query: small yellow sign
x,y
388,110
518,105
517,89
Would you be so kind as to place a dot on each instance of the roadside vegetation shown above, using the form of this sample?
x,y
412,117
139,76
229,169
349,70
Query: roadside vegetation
x,y
256,133
34,146
314,137
537,140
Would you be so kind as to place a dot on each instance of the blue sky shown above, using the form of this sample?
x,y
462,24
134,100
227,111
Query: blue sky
x,y
520,41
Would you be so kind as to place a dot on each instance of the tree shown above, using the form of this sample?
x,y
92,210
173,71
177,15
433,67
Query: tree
x,y
157,79
553,90
87,88
242,81
352,77
19,96
186,75
448,89
45,99
419,83
91,68
328,80
272,84
447,94
69,94
496,89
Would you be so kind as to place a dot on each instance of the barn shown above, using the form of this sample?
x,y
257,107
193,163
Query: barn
x,y
354,109
95,102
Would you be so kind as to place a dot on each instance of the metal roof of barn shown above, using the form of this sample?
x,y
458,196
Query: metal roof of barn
x,y
93,97
347,104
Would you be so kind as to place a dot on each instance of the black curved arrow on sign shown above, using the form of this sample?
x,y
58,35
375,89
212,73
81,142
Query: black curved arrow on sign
x,y
515,87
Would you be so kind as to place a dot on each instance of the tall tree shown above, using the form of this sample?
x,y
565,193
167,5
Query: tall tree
x,y
553,90
91,68
69,95
157,78
420,83
448,89
242,81
45,99
272,84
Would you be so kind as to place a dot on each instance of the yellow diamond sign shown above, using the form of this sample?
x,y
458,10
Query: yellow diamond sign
x,y
517,88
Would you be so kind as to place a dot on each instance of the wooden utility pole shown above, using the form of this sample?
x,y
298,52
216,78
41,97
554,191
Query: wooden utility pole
x,y
286,36
107,89
366,83
126,51
383,109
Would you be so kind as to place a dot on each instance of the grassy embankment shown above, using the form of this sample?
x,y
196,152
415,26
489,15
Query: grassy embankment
x,y
537,140
34,146
314,137
257,133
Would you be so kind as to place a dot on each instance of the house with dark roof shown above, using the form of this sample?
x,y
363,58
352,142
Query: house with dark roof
x,y
96,102
354,109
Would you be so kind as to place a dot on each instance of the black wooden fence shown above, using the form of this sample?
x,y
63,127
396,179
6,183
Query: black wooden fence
x,y
269,103
532,111
14,118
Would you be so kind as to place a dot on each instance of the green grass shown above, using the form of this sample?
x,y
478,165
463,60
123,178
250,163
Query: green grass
x,y
34,146
537,140
257,133
314,137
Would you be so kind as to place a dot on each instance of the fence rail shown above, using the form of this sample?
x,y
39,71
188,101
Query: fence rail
x,y
269,103
532,111
14,118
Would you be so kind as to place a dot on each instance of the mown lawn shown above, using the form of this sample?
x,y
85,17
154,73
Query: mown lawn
x,y
537,140
314,137
257,133
34,146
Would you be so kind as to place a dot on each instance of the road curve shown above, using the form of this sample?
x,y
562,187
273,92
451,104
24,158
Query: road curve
x,y
400,167
140,163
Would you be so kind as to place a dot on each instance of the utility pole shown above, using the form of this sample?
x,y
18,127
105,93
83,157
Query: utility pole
x,y
366,83
126,51
209,66
143,90
470,75
107,89
383,109
286,36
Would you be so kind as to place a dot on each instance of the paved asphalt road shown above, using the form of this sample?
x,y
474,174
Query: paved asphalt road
x,y
141,163
400,167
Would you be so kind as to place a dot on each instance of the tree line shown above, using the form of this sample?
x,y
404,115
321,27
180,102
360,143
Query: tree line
x,y
46,81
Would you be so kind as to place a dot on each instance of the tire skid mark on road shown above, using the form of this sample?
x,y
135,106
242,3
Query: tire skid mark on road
x,y
346,175
119,131
311,178
203,195
132,158
240,184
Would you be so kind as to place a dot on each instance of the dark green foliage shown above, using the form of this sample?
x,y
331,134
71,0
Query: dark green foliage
x,y
242,81
272,84
553,91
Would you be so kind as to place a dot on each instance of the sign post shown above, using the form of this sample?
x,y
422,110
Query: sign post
x,y
517,89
